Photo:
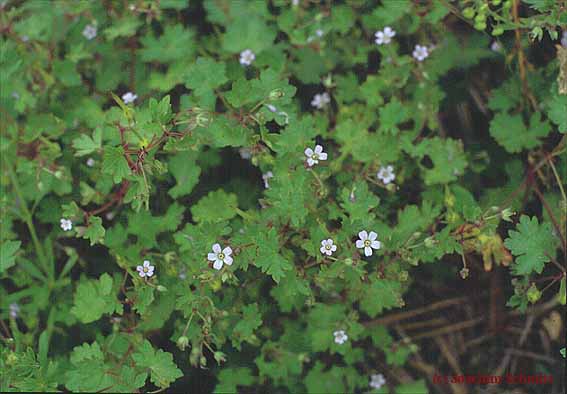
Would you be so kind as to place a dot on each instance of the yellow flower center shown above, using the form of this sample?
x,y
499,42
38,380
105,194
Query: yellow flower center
x,y
328,247
367,243
221,256
314,156
145,269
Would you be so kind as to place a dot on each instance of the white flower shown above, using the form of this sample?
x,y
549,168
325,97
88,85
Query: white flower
x,y
245,153
420,53
377,380
340,337
271,108
247,57
25,38
564,39
295,2
129,97
90,162
368,242
313,157
220,257
321,100
319,33
495,46
89,32
15,95
66,224
14,310
110,215
146,269
266,177
385,36
327,247
386,174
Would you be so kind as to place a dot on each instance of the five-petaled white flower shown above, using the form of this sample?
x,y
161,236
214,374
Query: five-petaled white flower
x,y
89,32
377,380
66,224
385,36
313,157
247,57
564,39
14,310
327,247
368,242
386,174
129,97
220,257
420,53
266,177
319,33
146,269
90,162
340,337
320,101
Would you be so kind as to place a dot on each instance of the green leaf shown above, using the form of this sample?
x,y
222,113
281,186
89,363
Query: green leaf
x,y
447,157
231,378
244,330
160,363
86,144
183,166
557,111
205,75
268,259
173,44
380,295
94,232
8,251
94,298
216,206
532,244
114,163
511,133
417,387
248,33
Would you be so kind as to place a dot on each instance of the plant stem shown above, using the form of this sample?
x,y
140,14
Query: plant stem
x,y
27,217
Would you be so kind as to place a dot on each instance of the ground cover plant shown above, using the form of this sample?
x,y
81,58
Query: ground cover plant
x,y
282,196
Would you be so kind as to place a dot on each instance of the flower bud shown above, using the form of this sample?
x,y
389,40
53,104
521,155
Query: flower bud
x,y
464,273
161,289
182,342
276,94
533,294
468,12
507,214
430,242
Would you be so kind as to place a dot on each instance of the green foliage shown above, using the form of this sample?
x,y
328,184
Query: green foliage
x,y
138,134
530,243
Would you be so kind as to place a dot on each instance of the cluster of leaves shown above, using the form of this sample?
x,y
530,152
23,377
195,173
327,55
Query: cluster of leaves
x,y
96,180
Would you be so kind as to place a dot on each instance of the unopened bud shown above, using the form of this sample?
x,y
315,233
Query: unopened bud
x,y
276,94
182,342
161,289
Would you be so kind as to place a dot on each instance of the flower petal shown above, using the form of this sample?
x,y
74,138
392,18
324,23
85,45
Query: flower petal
x,y
146,263
212,256
139,268
228,260
142,274
368,251
322,249
359,243
323,156
318,149
216,248
333,248
324,242
372,236
308,152
227,251
376,244
218,264
363,235
311,162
